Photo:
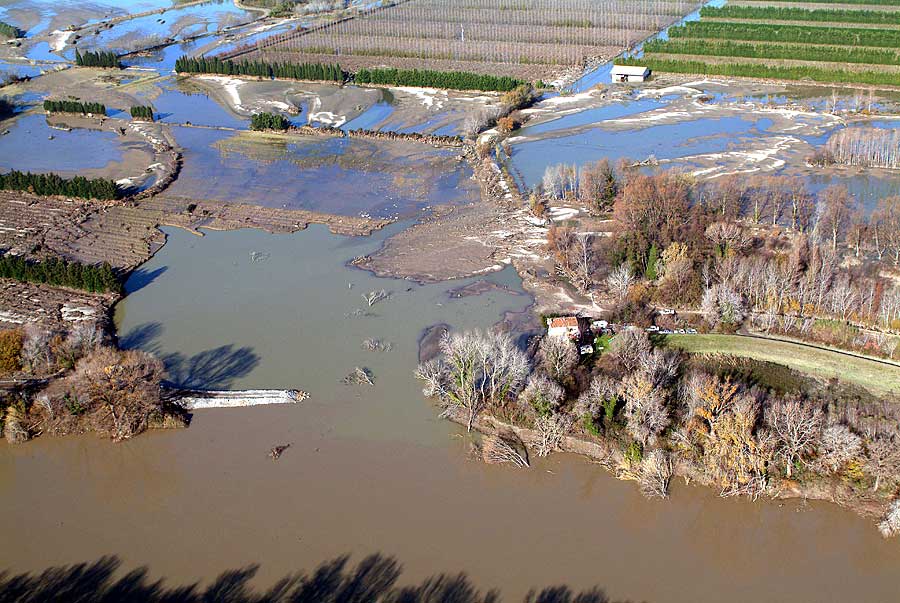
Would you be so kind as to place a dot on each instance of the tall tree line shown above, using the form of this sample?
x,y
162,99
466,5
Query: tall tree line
x,y
61,273
100,58
54,184
296,71
456,80
70,106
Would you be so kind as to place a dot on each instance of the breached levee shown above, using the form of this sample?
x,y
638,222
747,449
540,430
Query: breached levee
x,y
201,399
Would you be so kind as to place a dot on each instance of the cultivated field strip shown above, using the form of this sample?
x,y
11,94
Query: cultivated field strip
x,y
508,37
837,43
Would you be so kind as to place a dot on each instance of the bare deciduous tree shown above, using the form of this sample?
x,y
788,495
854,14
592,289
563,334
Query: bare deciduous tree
x,y
890,523
620,281
837,447
496,449
591,401
883,460
120,390
796,426
721,305
558,356
657,469
646,415
541,394
476,369
630,346
551,430
837,208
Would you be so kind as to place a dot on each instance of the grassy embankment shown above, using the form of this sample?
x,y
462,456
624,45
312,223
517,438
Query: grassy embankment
x,y
880,378
828,45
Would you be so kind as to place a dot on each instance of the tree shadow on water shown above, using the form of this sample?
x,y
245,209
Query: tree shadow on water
x,y
212,369
372,580
141,277
141,336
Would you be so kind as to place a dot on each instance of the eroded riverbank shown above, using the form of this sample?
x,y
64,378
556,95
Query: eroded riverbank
x,y
364,452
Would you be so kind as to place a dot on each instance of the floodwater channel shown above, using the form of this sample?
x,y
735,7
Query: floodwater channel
x,y
373,468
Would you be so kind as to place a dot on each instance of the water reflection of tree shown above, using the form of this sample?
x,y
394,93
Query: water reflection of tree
x,y
372,580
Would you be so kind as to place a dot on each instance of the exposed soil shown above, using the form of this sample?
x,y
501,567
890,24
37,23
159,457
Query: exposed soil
x,y
50,307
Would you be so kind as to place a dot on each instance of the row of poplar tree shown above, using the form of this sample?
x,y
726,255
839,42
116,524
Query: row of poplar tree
x,y
99,278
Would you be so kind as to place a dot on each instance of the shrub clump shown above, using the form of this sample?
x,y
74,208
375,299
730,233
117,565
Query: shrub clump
x,y
142,112
269,121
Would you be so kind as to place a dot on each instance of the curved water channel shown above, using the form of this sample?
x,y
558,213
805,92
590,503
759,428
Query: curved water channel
x,y
373,469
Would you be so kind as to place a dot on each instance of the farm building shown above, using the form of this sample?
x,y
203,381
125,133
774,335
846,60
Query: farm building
x,y
629,73
565,327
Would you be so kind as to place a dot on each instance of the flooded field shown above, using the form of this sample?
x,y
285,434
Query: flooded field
x,y
177,24
180,103
373,469
333,175
669,141
28,147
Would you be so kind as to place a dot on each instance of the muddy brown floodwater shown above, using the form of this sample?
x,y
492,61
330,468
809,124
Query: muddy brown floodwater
x,y
373,469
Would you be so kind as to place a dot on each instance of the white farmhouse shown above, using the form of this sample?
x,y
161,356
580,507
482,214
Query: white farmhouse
x,y
629,73
564,327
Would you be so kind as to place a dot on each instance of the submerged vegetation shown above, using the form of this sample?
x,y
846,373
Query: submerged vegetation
x,y
99,58
72,106
53,184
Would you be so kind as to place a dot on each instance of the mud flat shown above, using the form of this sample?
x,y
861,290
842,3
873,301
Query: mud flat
x,y
399,109
118,89
50,307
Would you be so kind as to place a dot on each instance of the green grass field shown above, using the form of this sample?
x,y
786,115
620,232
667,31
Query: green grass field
x,y
843,44
880,379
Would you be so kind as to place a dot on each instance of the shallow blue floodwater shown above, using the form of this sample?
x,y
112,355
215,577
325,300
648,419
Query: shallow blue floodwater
x,y
590,116
669,141
316,174
27,147
178,106
177,24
